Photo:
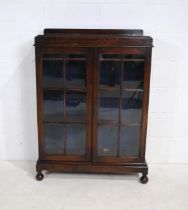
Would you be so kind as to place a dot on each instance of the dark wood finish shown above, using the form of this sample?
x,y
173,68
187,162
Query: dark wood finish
x,y
113,160
40,105
92,43
91,167
144,179
112,32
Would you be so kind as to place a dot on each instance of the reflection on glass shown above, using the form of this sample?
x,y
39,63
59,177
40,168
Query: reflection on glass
x,y
53,136
107,140
52,56
110,56
52,73
123,138
133,75
131,107
76,74
75,56
75,106
129,140
76,140
134,56
53,105
109,74
108,110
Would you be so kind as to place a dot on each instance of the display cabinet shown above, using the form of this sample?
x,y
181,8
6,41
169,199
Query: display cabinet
x,y
92,100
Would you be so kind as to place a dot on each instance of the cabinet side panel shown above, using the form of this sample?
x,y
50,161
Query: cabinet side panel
x,y
146,102
39,100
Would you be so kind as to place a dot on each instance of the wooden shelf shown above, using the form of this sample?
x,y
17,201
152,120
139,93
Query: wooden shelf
x,y
120,60
65,89
64,59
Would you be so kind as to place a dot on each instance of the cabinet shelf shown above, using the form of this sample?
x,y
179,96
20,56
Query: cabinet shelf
x,y
119,88
65,89
64,59
109,123
122,60
65,122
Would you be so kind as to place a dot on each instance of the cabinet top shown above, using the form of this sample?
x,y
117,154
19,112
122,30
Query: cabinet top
x,y
127,32
93,38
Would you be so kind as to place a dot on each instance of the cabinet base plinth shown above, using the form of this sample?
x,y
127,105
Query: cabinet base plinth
x,y
88,167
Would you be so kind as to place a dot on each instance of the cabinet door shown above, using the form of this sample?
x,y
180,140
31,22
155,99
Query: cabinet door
x,y
64,104
119,100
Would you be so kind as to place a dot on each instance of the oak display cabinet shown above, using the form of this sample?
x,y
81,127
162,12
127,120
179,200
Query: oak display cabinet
x,y
92,100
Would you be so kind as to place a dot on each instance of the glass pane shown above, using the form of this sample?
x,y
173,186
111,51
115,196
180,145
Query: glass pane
x,y
53,105
107,56
52,56
107,140
133,75
108,110
76,74
110,73
52,73
131,107
129,140
76,140
75,56
75,106
132,56
54,141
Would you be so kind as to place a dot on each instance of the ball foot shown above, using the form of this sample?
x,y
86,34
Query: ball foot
x,y
144,179
39,176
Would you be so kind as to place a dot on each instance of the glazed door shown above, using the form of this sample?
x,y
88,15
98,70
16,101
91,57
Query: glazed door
x,y
65,98
118,119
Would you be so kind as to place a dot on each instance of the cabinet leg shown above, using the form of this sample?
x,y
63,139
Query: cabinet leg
x,y
39,176
144,179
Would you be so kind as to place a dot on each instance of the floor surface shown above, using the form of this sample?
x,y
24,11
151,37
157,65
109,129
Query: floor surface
x,y
167,189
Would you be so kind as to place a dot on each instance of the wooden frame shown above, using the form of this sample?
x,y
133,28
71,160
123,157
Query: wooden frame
x,y
92,43
40,89
141,158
